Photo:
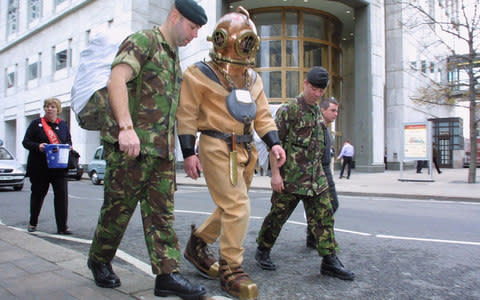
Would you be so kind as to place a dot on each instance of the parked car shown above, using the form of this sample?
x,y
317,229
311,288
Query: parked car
x,y
96,168
76,172
12,172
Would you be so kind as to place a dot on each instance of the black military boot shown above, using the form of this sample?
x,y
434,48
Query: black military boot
x,y
331,266
311,240
176,284
103,274
263,259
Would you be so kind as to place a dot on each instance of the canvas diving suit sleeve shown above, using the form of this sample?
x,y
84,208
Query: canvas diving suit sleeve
x,y
271,138
187,143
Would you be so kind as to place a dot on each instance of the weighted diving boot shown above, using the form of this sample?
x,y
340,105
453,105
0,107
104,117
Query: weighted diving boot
x,y
200,256
236,282
331,266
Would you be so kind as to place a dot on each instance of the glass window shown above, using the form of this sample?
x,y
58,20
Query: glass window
x,y
269,54
293,81
336,87
335,61
314,26
268,24
32,72
315,54
286,52
293,53
335,29
12,18
61,4
61,58
272,83
10,79
291,19
34,10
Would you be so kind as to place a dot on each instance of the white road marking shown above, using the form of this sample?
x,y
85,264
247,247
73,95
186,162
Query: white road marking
x,y
382,236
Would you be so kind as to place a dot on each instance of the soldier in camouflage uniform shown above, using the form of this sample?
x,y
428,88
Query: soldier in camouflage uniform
x,y
139,150
301,130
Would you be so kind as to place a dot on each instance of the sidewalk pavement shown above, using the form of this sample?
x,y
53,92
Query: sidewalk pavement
x,y
33,268
451,184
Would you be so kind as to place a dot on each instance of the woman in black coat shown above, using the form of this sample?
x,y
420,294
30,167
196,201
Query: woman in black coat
x,y
49,129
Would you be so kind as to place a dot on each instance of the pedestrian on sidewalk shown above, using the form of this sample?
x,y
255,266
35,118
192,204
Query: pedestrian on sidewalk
x,y
329,108
139,151
302,133
224,100
49,129
346,153
436,158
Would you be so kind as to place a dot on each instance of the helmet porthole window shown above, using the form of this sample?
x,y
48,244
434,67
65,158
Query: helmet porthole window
x,y
220,38
247,44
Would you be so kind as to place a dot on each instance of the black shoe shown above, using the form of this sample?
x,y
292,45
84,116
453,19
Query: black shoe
x,y
65,232
176,284
331,266
263,259
311,240
32,228
103,274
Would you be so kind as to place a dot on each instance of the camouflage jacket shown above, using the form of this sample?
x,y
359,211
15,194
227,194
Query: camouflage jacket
x,y
301,131
154,116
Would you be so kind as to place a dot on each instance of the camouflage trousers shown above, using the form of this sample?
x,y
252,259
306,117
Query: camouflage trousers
x,y
319,218
150,181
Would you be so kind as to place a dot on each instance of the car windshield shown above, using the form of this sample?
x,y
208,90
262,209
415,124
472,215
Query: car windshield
x,y
4,155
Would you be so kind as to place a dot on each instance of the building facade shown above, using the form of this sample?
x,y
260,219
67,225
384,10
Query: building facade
x,y
361,43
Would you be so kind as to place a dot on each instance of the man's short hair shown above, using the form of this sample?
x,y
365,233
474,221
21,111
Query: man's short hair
x,y
325,103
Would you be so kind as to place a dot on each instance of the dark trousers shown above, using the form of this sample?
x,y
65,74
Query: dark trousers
x,y
435,163
347,160
39,188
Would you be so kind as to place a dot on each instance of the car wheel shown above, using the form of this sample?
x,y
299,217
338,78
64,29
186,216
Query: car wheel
x,y
18,187
94,178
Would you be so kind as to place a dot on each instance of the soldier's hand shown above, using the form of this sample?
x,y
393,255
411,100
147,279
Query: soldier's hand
x,y
279,154
129,142
277,183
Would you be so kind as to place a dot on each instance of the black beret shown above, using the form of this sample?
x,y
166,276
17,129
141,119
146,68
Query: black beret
x,y
318,77
192,11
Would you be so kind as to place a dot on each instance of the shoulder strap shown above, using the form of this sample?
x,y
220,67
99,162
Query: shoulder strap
x,y
51,135
207,70
134,107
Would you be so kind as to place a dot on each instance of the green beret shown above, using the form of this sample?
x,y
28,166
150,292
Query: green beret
x,y
192,11
318,77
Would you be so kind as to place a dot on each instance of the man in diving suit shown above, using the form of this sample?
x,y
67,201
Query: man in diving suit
x,y
224,100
